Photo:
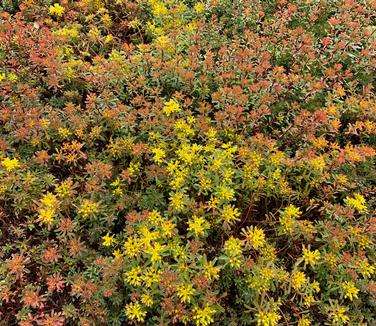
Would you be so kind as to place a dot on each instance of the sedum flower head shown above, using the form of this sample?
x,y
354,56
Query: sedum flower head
x,y
10,164
88,208
108,240
49,200
171,107
46,215
255,237
198,226
357,203
298,279
134,311
267,318
57,10
185,292
230,214
350,290
203,316
310,257
339,315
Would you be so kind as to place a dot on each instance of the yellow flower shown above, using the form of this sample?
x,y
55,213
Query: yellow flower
x,y
288,216
226,193
366,269
154,217
287,223
167,228
64,132
318,163
57,10
213,202
159,9
10,164
339,315
364,241
171,106
315,286
159,154
134,168
211,272
88,208
320,142
133,277
267,318
304,322
340,91
199,7
350,290
203,316
134,311
163,42
132,247
108,240
292,211
308,300
177,201
46,215
357,203
185,292
298,279
269,252
64,189
147,300
108,39
198,225
49,200
147,236
106,20
117,254
155,252
205,182
230,214
151,276
310,257
233,249
254,236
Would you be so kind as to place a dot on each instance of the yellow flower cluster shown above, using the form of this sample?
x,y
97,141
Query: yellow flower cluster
x,y
65,189
288,216
48,208
233,250
57,10
185,292
108,240
270,318
135,312
254,237
171,107
350,290
198,226
10,164
339,315
230,214
298,279
357,202
88,208
310,257
203,316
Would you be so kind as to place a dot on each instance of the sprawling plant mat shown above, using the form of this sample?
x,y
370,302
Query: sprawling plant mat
x,y
175,162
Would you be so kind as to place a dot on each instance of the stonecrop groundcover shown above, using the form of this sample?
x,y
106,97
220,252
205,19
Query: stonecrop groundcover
x,y
183,162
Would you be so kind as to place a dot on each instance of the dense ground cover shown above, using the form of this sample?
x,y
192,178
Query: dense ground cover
x,y
193,163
